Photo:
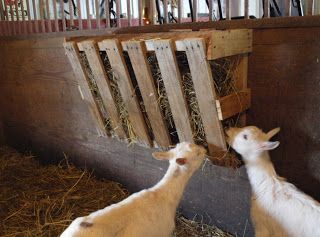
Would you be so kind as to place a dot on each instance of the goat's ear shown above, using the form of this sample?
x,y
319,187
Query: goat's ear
x,y
272,132
164,155
265,146
181,161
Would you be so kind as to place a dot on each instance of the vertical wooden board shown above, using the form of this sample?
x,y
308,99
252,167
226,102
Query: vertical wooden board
x,y
229,42
102,80
118,64
241,76
138,55
266,9
80,14
287,8
172,81
205,93
72,53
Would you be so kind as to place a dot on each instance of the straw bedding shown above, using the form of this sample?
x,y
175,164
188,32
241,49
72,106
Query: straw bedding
x,y
38,200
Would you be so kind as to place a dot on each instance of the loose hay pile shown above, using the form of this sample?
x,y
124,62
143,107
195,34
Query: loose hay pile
x,y
39,200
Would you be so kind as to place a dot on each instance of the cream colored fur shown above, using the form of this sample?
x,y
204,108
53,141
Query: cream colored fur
x,y
278,209
150,212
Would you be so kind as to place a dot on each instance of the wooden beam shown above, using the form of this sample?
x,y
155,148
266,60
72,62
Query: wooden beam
x,y
118,64
230,42
103,83
205,93
165,53
72,53
138,55
233,104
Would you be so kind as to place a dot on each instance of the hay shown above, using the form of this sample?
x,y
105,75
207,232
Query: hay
x,y
39,200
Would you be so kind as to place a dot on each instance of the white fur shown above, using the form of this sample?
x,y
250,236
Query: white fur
x,y
150,212
277,207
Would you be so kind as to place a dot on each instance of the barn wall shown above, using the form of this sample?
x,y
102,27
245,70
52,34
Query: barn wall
x,y
41,110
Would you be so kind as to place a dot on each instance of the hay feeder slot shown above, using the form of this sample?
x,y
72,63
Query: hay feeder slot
x,y
198,108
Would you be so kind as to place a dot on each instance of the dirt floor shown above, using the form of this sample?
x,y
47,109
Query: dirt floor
x,y
38,200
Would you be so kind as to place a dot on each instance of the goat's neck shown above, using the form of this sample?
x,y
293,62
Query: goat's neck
x,y
261,173
172,185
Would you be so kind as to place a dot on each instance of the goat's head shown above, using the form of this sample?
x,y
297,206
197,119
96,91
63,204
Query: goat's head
x,y
251,141
185,154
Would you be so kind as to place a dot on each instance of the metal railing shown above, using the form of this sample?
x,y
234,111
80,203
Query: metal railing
x,y
44,16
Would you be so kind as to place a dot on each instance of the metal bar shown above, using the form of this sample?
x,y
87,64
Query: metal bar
x,y
71,12
48,16
228,9
140,11
195,10
43,25
98,23
129,12
266,8
55,14
118,9
79,15
180,7
64,27
246,9
107,11
287,8
165,11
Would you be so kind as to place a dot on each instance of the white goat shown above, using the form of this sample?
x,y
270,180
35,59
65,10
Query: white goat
x,y
150,212
277,208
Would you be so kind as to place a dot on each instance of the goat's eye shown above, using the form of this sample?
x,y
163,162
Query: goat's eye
x,y
245,136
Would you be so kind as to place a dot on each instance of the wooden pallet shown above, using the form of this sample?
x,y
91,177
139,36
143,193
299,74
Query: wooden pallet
x,y
199,47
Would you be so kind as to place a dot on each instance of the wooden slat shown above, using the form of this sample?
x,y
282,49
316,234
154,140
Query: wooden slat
x,y
103,83
18,17
72,53
151,12
9,29
233,104
310,7
71,12
228,9
165,11
98,14
41,13
266,8
211,10
230,42
195,10
165,53
118,64
2,16
129,12
140,12
88,14
241,79
205,93
48,16
138,55
55,13
13,25
64,27
287,8
80,14
246,9
107,12
24,29
118,9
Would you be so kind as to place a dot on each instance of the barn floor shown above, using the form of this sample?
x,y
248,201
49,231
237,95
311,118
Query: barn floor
x,y
38,200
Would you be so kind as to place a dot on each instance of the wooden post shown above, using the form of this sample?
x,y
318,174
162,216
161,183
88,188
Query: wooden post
x,y
287,8
103,83
72,53
310,7
41,13
165,11
266,8
80,14
88,15
246,9
195,10
140,11
228,9
118,64
71,12
55,13
211,10
64,27
98,14
18,17
138,55
205,93
106,8
24,26
13,25
48,16
129,12
180,5
118,9
172,81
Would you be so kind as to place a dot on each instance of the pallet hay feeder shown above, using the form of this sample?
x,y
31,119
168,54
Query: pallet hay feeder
x,y
202,75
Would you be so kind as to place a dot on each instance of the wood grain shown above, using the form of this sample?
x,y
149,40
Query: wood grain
x,y
164,50
72,53
118,64
205,93
138,56
102,80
